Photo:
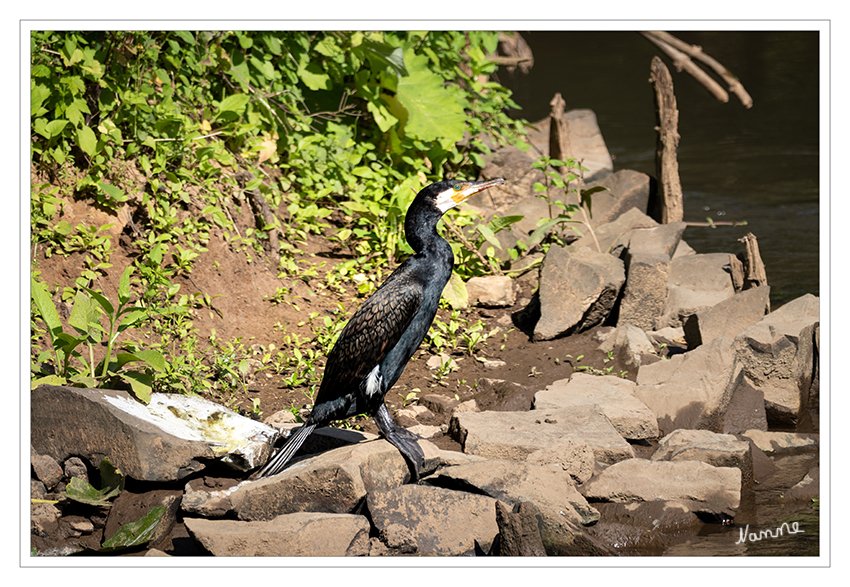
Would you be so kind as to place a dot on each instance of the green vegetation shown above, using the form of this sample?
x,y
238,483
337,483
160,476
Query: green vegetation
x,y
334,132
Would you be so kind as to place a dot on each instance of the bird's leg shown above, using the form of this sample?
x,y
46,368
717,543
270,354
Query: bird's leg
x,y
404,440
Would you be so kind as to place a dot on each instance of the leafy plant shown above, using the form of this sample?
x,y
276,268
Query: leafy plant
x,y
85,320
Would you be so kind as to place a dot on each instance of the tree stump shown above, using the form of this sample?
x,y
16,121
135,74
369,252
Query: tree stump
x,y
754,273
559,130
666,163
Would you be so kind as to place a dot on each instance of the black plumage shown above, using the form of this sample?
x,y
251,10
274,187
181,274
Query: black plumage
x,y
376,344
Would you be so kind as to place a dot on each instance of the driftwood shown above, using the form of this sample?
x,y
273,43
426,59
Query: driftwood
x,y
666,164
516,52
681,54
559,130
754,273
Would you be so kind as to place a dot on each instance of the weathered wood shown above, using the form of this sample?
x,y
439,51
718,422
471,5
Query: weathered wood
x,y
666,163
682,61
695,51
754,272
559,130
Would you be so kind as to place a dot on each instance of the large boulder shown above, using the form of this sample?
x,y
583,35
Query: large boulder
x,y
691,390
626,189
578,289
166,440
515,435
717,450
613,396
777,355
612,237
695,282
728,318
705,489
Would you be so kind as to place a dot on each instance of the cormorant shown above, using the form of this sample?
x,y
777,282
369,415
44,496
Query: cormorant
x,y
376,344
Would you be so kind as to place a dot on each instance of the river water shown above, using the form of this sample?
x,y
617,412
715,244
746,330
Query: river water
x,y
759,165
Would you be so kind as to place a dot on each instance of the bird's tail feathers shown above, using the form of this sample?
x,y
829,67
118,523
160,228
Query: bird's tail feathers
x,y
278,462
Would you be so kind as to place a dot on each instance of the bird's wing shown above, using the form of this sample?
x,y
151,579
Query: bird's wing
x,y
371,333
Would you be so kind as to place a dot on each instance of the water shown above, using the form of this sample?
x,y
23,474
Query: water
x,y
760,165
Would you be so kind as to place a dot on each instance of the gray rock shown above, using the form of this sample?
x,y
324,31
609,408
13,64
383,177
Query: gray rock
x,y
586,142
647,260
629,344
148,443
529,528
46,470
777,355
807,489
207,497
512,482
643,526
717,450
728,318
333,482
520,177
434,520
703,488
745,411
492,291
613,396
75,467
773,443
614,236
515,435
576,458
578,289
691,390
627,190
130,505
519,534
695,282
297,534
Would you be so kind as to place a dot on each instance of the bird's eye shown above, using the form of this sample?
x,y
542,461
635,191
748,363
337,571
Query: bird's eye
x,y
457,187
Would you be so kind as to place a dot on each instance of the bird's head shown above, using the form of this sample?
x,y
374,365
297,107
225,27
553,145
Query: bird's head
x,y
448,194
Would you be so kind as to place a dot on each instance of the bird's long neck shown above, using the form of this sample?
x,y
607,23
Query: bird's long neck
x,y
420,229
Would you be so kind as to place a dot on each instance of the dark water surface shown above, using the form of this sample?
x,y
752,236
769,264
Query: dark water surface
x,y
760,165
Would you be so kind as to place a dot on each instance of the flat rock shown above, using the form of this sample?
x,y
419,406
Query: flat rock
x,y
433,520
777,355
773,443
627,190
492,291
512,482
703,488
297,534
332,482
696,282
717,450
586,142
614,236
515,435
613,396
728,318
576,458
691,390
578,289
630,345
172,437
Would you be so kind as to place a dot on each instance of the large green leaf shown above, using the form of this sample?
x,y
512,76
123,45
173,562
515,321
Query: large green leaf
x,y
136,533
46,309
85,316
455,292
434,112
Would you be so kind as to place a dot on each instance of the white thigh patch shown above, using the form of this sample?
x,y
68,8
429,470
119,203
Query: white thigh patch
x,y
374,381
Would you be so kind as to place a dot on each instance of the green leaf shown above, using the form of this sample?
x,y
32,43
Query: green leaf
x,y
234,103
136,533
54,128
434,112
455,292
124,285
152,358
46,309
140,383
313,77
101,300
541,231
48,380
82,492
382,56
85,316
111,191
87,141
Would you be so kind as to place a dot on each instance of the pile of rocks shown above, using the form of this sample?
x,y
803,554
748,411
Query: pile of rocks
x,y
598,462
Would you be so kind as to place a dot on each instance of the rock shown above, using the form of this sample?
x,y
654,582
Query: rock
x,y
773,443
578,289
44,519
439,404
728,318
148,443
437,521
614,236
492,291
777,355
807,489
512,482
630,345
613,396
745,410
586,142
643,525
647,261
519,534
515,435
703,488
208,497
691,390
576,458
520,177
717,450
284,419
695,282
46,470
297,534
627,190
75,467
334,482
502,396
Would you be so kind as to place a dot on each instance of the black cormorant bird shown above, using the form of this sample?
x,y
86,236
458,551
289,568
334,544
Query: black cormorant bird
x,y
374,347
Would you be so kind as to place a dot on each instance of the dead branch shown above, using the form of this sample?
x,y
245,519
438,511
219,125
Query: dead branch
x,y
754,272
559,130
682,61
695,51
667,146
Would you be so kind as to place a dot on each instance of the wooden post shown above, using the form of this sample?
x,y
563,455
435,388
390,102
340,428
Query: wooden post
x,y
666,164
559,130
754,273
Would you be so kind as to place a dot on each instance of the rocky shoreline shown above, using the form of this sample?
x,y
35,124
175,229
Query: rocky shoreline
x,y
711,391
